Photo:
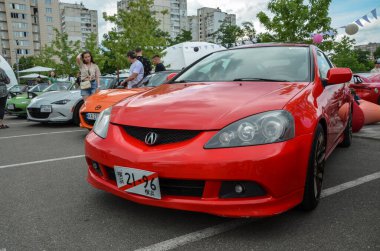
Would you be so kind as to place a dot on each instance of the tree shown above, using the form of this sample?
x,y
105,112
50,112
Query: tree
x,y
134,28
363,57
60,54
249,31
91,44
376,54
183,36
345,56
25,63
295,20
228,34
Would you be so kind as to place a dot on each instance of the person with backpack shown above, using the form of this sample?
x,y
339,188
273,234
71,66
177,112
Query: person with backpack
x,y
146,62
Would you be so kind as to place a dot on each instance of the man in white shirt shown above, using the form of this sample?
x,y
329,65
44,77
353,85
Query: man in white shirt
x,y
136,70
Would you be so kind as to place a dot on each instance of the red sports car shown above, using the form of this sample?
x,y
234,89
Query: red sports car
x,y
365,89
242,132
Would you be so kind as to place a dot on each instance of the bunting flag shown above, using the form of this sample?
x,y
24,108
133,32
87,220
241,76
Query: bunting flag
x,y
359,23
365,17
374,14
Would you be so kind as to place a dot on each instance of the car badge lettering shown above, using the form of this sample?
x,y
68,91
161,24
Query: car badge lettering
x,y
151,138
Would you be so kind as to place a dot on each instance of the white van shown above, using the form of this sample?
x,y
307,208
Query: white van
x,y
8,70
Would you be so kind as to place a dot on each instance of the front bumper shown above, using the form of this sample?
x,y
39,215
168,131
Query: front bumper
x,y
279,168
59,114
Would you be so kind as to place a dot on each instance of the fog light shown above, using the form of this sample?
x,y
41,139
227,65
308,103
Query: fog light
x,y
239,189
96,167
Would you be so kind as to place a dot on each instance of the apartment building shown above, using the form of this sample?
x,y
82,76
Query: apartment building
x,y
193,27
174,19
210,20
78,21
26,26
371,47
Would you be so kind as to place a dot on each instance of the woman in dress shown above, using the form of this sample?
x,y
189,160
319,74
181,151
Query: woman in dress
x,y
89,71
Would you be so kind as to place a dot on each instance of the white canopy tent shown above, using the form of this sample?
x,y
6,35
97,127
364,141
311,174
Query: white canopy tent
x,y
37,69
33,75
8,70
182,55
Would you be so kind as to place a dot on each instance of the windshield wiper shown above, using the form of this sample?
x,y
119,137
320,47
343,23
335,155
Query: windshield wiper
x,y
181,81
261,79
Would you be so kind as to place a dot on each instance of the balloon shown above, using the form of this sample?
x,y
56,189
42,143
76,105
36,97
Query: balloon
x,y
317,38
352,29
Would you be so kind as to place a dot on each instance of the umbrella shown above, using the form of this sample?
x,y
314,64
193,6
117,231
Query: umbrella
x,y
37,69
33,75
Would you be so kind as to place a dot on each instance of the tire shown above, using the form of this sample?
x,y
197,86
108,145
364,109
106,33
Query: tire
x,y
76,119
315,171
347,134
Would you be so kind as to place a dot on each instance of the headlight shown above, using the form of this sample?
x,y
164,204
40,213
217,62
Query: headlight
x,y
61,102
263,128
102,123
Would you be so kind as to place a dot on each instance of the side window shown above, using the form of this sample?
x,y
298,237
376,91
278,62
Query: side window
x,y
323,64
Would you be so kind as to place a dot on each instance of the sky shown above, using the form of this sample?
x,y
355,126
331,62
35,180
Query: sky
x,y
342,12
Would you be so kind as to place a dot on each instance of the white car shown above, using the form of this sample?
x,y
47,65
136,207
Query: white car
x,y
60,105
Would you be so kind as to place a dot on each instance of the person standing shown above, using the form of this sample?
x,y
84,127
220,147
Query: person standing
x,y
4,81
157,62
376,69
89,71
52,78
146,63
136,71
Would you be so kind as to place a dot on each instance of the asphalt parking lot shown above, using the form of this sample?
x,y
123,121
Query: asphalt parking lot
x,y
46,204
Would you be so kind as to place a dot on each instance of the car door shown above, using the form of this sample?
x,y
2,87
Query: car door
x,y
335,96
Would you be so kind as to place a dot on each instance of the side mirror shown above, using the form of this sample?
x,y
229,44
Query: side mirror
x,y
171,76
338,75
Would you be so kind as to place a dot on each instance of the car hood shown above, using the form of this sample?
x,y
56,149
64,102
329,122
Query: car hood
x,y
49,97
110,97
203,106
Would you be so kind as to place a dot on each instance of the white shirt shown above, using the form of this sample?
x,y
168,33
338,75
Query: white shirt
x,y
136,67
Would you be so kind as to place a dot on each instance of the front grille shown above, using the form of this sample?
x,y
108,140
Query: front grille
x,y
165,136
88,121
36,113
193,188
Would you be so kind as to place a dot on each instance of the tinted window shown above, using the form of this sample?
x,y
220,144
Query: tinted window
x,y
105,83
157,79
279,63
39,87
323,64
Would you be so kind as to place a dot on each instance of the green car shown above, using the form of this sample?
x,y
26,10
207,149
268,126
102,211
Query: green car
x,y
17,103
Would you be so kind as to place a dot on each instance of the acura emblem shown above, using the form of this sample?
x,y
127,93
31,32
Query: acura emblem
x,y
151,138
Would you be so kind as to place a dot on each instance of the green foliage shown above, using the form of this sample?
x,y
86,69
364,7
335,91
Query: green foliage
x,y
134,28
60,55
376,54
294,20
345,56
228,34
249,31
91,44
25,63
183,36
364,58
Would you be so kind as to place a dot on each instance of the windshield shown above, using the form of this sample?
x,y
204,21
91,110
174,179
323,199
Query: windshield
x,y
106,82
282,63
39,87
58,86
157,79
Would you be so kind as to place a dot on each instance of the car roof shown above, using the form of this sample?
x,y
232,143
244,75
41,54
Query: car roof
x,y
271,45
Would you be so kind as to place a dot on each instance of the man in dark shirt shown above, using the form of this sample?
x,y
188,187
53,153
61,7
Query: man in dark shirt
x,y
146,62
157,62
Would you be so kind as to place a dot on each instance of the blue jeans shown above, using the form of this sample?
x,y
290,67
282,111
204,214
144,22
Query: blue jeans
x,y
90,91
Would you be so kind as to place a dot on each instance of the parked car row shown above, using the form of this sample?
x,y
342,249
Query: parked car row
x,y
62,101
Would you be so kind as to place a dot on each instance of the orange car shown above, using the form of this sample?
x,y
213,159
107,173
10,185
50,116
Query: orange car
x,y
106,98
